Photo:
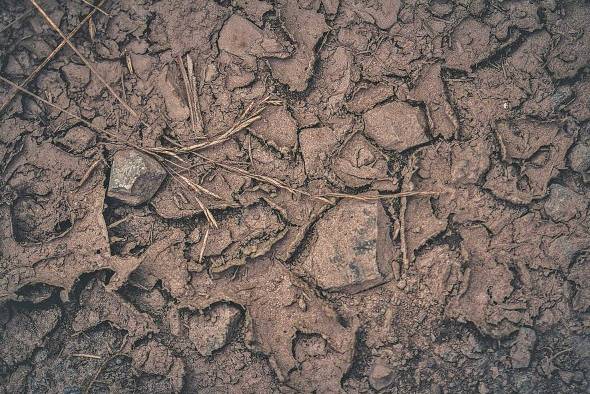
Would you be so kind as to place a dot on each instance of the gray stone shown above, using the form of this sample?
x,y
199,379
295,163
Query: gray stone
x,y
135,177
352,250
212,330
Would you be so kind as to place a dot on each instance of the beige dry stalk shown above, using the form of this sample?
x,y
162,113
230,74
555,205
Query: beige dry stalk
x,y
87,63
10,95
96,7
166,156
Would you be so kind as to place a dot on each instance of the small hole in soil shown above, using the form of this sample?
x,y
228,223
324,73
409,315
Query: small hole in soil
x,y
37,221
137,250
62,226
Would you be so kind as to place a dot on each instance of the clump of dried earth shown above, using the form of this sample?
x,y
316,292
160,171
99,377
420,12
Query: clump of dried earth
x,y
112,280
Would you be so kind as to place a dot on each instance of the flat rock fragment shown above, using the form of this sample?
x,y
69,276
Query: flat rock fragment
x,y
352,250
135,177
396,126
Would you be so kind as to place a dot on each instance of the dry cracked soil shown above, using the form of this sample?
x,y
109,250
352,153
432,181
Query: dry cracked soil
x,y
203,196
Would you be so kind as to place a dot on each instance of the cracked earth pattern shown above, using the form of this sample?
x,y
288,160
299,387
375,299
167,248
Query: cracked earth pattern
x,y
480,285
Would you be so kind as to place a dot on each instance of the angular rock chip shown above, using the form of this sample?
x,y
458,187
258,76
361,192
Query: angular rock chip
x,y
352,251
135,177
396,126
213,330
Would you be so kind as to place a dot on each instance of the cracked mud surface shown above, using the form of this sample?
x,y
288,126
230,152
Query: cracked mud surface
x,y
482,287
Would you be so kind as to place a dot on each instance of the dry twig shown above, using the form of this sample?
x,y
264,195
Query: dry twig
x,y
96,7
37,69
191,76
27,13
86,62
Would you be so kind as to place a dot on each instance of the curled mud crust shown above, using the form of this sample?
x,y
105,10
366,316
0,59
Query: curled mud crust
x,y
285,196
